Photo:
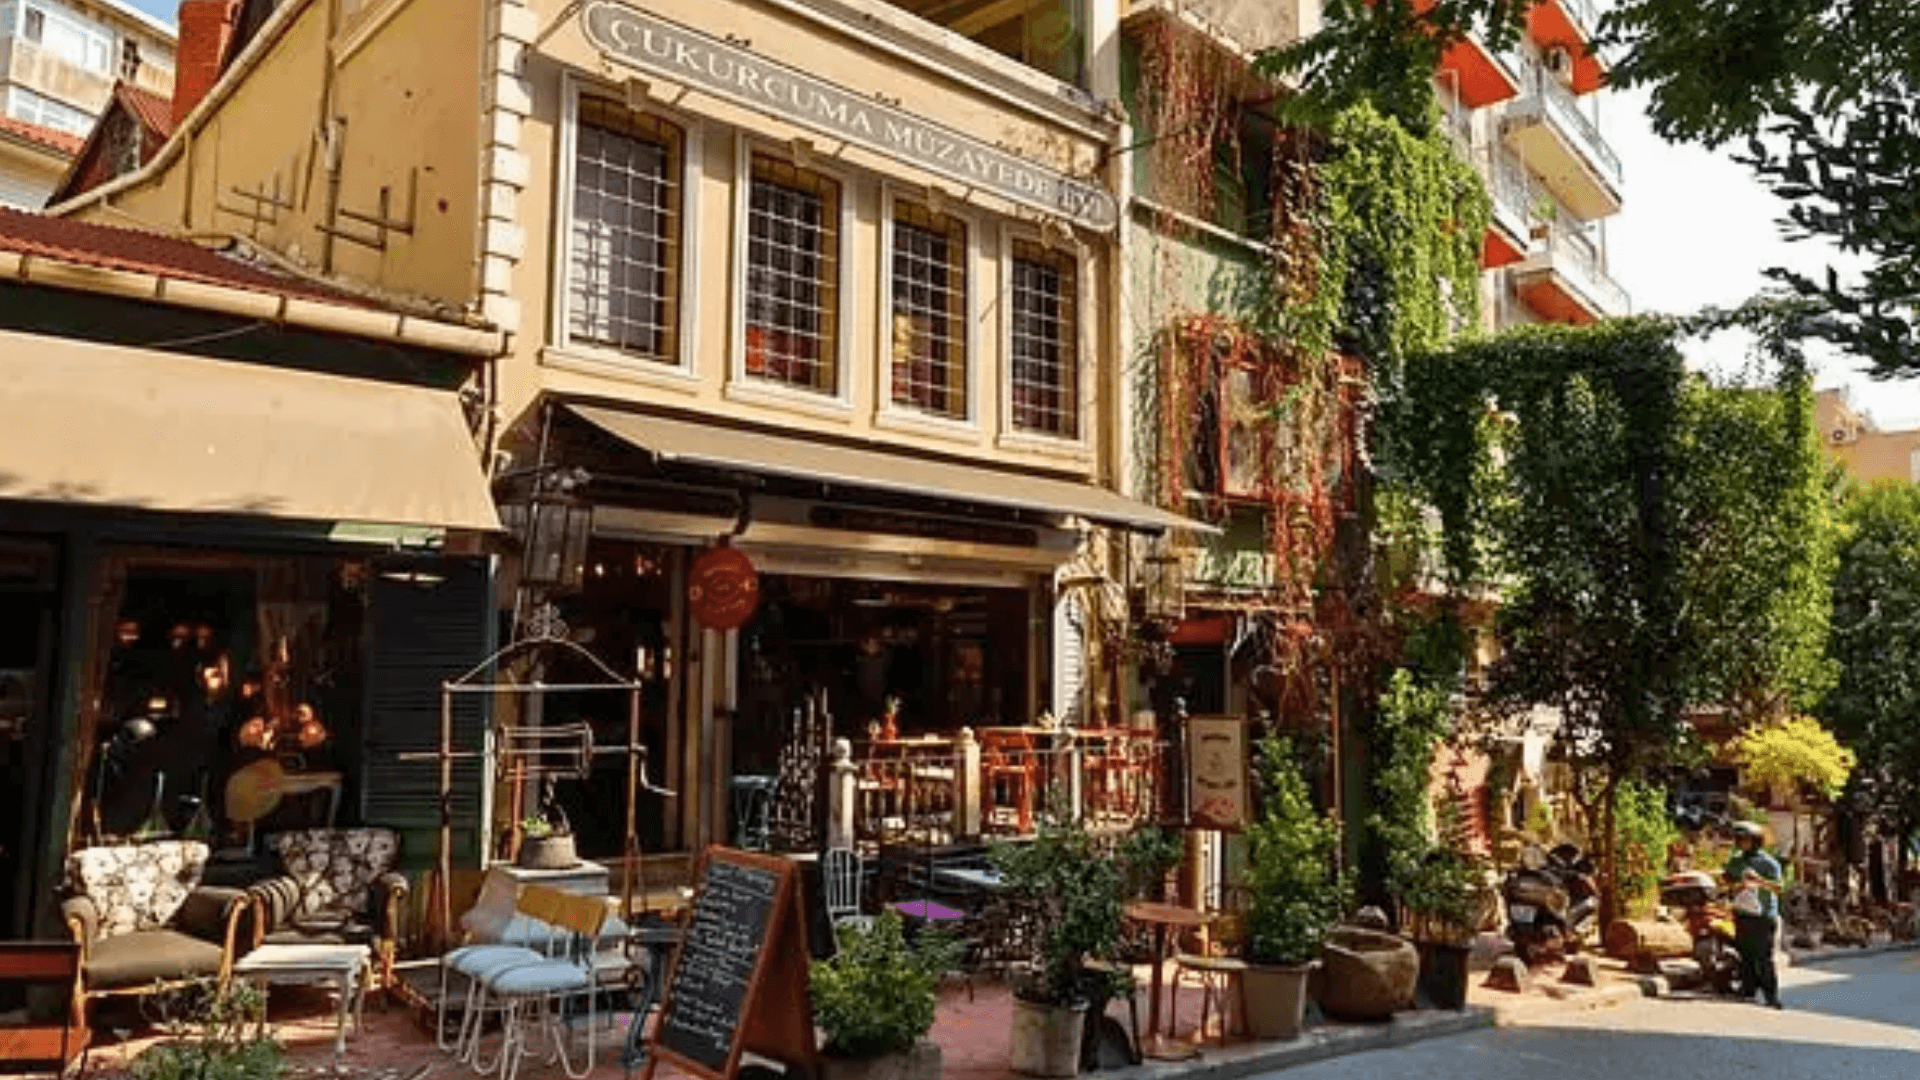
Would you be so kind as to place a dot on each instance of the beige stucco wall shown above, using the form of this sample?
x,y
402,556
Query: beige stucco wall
x,y
1867,453
406,91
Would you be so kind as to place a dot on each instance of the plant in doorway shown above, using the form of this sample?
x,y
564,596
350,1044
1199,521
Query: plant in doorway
x,y
1294,895
876,998
1073,897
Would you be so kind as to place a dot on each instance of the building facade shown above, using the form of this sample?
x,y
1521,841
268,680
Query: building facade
x,y
827,282
1866,451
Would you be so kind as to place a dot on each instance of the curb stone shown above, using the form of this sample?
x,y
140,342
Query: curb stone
x,y
1240,1060
1829,956
1506,1014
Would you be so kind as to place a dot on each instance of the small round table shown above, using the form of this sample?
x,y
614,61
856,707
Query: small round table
x,y
1161,917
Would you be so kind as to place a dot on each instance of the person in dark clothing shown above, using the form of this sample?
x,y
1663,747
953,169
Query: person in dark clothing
x,y
1756,879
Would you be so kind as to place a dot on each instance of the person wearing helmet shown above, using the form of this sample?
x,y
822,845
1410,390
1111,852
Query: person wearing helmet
x,y
1755,878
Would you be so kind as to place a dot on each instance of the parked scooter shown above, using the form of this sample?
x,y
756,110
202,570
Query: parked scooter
x,y
1710,924
1551,903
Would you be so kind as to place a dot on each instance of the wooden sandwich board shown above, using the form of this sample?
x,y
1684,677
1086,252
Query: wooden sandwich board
x,y
739,979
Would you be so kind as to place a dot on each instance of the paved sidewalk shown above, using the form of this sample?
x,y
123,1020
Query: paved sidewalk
x,y
1833,954
1549,996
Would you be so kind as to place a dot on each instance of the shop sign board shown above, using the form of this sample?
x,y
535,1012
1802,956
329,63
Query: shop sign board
x,y
739,979
723,588
727,71
1218,764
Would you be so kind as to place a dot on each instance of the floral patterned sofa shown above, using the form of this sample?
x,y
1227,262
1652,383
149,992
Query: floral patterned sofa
x,y
336,886
143,919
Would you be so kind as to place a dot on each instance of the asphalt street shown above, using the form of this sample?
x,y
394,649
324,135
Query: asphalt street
x,y
1857,1020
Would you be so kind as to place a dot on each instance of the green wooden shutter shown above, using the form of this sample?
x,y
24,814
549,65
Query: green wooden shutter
x,y
430,621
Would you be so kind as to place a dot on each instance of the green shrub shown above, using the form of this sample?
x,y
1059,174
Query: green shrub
x,y
877,996
1076,894
1296,895
1643,831
208,1038
1147,855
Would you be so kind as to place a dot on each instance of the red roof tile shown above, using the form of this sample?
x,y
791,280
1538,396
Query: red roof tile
x,y
42,136
154,112
112,248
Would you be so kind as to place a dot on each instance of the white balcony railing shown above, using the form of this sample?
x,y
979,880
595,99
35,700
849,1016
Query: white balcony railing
x,y
1577,259
1560,106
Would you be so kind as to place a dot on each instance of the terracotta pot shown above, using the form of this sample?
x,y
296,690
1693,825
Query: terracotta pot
x,y
1276,999
923,1062
1367,974
1046,1038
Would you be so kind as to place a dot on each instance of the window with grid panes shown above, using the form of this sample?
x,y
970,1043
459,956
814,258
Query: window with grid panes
x,y
1043,347
793,276
929,344
623,272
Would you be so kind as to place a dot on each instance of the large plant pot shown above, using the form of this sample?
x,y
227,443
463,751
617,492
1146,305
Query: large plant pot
x,y
1366,974
1276,999
920,1063
1046,1038
1443,974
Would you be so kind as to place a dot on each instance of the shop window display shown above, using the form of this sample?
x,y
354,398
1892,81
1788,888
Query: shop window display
x,y
230,698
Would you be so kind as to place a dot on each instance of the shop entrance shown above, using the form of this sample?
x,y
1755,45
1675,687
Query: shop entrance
x,y
28,608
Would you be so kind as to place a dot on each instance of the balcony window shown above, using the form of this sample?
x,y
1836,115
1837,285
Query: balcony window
x,y
1043,345
929,324
1047,35
793,276
623,259
24,104
69,37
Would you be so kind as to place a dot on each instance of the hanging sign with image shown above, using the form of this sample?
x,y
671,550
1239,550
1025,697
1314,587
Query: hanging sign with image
x,y
723,588
1217,774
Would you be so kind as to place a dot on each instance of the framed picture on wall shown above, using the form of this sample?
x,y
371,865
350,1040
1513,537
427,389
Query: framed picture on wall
x,y
1219,794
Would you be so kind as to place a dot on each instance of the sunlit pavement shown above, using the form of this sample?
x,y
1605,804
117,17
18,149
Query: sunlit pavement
x,y
1850,1020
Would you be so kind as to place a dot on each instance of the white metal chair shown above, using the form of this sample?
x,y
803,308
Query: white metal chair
x,y
841,875
538,994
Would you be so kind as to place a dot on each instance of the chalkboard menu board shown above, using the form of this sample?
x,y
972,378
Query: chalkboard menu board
x,y
739,978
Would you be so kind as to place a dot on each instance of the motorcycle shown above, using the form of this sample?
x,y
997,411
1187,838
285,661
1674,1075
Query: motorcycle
x,y
1551,903
1710,924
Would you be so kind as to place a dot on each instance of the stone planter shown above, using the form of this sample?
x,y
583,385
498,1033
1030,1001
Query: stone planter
x,y
1276,999
1046,1038
554,852
1366,974
923,1062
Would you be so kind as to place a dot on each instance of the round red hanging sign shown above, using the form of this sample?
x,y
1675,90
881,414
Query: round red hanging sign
x,y
723,588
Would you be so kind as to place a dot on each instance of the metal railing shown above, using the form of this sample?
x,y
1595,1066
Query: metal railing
x,y
1507,183
1578,259
1560,106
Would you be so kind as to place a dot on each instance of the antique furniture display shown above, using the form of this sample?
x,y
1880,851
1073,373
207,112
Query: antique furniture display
x,y
337,887
347,967
143,921
46,1045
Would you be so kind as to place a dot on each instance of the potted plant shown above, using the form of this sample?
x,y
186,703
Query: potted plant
x,y
546,843
1437,893
1295,896
1073,894
876,998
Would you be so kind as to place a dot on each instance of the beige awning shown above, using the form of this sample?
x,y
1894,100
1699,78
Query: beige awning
x,y
105,425
780,455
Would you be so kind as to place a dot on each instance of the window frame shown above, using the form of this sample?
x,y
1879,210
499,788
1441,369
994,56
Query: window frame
x,y
753,390
1080,444
889,413
683,371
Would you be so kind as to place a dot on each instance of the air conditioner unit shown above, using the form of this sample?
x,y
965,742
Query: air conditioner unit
x,y
1560,64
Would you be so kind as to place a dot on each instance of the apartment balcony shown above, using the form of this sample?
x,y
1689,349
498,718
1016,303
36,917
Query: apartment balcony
x,y
1563,280
1563,147
1478,75
1046,35
1570,25
1510,227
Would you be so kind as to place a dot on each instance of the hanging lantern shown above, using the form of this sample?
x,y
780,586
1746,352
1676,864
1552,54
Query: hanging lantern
x,y
554,527
1164,579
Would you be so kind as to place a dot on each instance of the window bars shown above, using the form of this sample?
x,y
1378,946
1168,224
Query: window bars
x,y
793,276
1044,344
623,273
929,311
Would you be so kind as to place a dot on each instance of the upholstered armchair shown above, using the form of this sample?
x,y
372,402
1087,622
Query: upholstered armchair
x,y
337,886
143,920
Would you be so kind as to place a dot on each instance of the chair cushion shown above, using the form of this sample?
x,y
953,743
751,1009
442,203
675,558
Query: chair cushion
x,y
137,886
141,956
334,868
479,961
330,932
547,977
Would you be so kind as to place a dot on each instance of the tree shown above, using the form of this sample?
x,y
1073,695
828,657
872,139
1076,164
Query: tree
x,y
1653,535
1875,705
1792,755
